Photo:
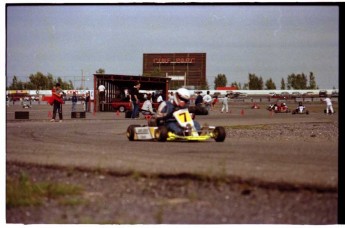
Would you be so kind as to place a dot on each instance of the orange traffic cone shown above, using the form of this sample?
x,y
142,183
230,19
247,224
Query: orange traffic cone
x,y
148,117
117,113
242,112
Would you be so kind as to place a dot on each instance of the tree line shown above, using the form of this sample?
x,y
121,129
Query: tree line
x,y
39,81
294,81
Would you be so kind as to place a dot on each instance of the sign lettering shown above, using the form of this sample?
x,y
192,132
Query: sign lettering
x,y
166,60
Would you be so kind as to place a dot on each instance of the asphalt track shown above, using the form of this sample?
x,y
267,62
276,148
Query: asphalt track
x,y
99,142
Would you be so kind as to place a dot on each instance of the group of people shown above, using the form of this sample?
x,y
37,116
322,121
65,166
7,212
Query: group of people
x,y
179,99
56,101
210,102
146,108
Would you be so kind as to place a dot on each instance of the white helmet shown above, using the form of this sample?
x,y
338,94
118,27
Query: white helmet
x,y
181,97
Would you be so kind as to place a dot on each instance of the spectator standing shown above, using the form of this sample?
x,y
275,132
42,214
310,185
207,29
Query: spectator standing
x,y
225,106
87,102
57,103
74,101
329,106
198,99
215,101
207,99
135,100
101,90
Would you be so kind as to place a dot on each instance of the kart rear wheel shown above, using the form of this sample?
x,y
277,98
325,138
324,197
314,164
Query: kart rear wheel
x,y
161,134
131,132
219,134
307,112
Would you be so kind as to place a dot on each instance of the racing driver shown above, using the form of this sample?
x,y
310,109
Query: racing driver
x,y
167,108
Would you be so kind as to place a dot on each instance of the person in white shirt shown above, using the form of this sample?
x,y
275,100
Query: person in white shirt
x,y
329,106
225,106
159,98
207,99
147,109
101,90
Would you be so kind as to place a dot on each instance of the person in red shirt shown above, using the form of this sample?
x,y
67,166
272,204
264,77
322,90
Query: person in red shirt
x,y
57,102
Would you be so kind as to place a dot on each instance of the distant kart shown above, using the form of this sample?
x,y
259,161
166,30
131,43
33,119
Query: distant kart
x,y
157,131
255,106
278,108
300,110
25,105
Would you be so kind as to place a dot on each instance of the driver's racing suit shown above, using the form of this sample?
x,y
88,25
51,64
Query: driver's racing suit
x,y
166,110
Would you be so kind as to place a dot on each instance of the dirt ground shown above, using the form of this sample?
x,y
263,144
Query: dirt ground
x,y
271,169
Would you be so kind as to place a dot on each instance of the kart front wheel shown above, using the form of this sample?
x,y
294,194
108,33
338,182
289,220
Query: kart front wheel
x,y
131,132
161,134
219,134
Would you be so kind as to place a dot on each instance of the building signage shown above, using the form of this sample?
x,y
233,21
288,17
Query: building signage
x,y
177,78
167,60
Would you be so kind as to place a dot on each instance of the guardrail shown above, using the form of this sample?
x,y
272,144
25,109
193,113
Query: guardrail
x,y
273,100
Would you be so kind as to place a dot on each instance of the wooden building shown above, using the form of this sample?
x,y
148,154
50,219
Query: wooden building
x,y
184,69
117,85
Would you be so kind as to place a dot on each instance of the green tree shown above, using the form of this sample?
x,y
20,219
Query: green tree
x,y
270,84
235,84
298,81
282,84
14,84
255,82
312,81
100,71
39,81
220,81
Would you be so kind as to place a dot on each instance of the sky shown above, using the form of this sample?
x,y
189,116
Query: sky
x,y
270,41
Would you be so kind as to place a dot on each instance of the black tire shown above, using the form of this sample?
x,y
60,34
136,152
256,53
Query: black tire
x,y
205,111
191,109
307,112
152,123
294,112
131,132
161,134
128,114
219,134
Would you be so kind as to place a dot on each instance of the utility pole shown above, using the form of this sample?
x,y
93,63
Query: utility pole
x,y
82,80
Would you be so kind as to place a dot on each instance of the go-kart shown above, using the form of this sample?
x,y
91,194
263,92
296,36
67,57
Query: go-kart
x,y
278,108
300,110
156,130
